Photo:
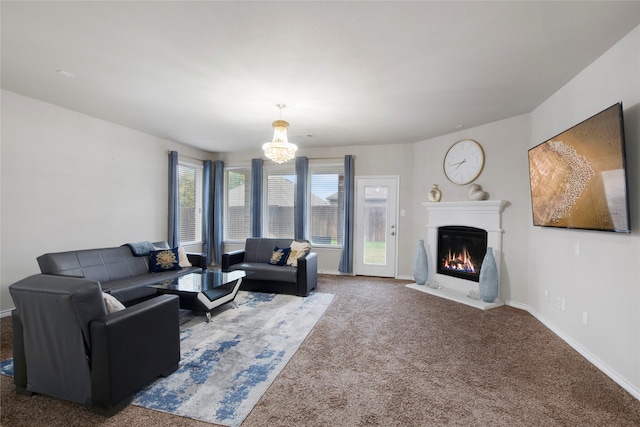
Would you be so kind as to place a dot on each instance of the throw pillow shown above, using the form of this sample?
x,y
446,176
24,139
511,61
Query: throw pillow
x,y
164,260
298,250
112,303
279,256
183,260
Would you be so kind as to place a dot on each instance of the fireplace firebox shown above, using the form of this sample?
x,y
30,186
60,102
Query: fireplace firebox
x,y
461,250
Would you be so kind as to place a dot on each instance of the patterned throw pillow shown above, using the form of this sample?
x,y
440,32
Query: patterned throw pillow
x,y
298,250
279,256
164,260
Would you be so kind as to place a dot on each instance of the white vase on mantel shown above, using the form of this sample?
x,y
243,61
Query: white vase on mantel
x,y
435,194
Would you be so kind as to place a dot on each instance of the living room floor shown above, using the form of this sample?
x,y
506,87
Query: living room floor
x,y
384,354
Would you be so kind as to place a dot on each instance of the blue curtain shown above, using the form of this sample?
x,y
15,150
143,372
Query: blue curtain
x,y
346,260
256,198
218,209
173,235
300,215
207,210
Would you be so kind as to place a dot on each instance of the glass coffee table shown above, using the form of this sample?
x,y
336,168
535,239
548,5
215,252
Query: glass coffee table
x,y
205,290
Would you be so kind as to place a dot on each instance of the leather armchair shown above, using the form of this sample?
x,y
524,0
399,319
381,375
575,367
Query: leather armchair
x,y
65,345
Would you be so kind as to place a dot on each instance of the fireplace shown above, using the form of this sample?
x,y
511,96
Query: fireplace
x,y
484,216
460,251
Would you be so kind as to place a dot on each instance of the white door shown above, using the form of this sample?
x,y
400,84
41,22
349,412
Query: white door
x,y
376,226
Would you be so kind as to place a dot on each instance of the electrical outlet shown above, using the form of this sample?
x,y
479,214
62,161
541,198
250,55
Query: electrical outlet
x,y
558,303
585,318
546,295
563,305
576,249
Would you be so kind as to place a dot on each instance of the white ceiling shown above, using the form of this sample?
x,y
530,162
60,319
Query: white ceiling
x,y
209,74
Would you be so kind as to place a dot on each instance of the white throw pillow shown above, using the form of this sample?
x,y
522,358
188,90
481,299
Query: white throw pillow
x,y
112,303
183,260
298,250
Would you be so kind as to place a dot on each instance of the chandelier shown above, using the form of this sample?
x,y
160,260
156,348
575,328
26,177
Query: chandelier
x,y
280,150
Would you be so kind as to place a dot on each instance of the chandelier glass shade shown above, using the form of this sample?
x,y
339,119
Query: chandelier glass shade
x,y
279,150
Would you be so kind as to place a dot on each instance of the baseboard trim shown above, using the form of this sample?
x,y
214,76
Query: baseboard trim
x,y
6,313
577,347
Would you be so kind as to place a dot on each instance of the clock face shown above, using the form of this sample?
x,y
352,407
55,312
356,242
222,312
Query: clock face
x,y
463,162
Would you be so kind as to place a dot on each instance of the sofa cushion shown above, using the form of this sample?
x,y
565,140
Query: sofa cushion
x,y
279,256
136,287
96,264
164,260
264,271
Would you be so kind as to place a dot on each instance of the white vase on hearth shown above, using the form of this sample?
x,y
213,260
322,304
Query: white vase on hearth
x,y
421,265
489,277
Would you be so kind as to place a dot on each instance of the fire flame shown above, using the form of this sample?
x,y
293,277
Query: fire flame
x,y
461,262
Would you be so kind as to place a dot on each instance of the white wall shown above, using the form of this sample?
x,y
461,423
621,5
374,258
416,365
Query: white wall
x,y
505,177
604,280
70,181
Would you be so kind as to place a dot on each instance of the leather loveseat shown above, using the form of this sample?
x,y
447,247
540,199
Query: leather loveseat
x,y
121,272
298,280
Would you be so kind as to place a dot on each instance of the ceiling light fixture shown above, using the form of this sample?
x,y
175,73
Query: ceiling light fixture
x,y
280,150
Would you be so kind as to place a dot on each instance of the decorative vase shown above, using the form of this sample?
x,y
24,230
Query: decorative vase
x,y
435,194
421,265
489,277
475,192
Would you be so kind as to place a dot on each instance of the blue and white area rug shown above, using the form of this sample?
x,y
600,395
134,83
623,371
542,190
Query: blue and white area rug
x,y
228,364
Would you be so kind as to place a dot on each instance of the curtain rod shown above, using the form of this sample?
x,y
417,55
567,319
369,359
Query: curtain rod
x,y
182,155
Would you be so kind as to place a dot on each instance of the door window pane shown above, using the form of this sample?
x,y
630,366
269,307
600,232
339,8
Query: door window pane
x,y
375,225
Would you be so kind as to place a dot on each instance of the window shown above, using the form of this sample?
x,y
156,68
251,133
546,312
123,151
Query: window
x,y
237,215
190,202
280,186
325,223
325,203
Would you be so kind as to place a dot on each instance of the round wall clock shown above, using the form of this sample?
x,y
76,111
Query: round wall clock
x,y
463,162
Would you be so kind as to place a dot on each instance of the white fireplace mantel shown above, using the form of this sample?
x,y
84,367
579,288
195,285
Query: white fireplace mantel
x,y
486,215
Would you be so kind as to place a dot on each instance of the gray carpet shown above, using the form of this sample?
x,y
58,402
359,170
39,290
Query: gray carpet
x,y
384,354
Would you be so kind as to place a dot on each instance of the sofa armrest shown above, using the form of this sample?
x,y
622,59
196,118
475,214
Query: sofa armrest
x,y
132,347
198,260
230,258
307,275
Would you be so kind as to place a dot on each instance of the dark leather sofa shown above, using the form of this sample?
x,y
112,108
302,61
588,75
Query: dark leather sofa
x,y
67,346
121,273
298,280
